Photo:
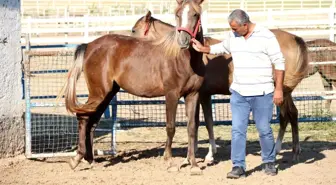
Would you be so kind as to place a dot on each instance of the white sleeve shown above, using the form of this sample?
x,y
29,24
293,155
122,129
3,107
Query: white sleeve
x,y
275,54
220,48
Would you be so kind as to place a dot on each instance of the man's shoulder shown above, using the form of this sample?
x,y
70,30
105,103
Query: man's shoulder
x,y
264,31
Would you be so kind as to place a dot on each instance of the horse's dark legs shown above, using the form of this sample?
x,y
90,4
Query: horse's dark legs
x,y
289,112
171,106
282,130
87,124
191,107
86,127
93,122
205,101
81,150
197,124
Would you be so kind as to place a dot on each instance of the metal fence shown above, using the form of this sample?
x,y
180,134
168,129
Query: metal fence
x,y
51,131
307,23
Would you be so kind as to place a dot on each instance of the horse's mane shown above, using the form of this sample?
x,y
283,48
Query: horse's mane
x,y
169,44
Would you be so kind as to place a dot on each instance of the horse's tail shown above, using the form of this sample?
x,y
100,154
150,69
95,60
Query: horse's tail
x,y
300,69
69,88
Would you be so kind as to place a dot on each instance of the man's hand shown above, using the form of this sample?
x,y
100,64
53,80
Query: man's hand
x,y
197,45
278,97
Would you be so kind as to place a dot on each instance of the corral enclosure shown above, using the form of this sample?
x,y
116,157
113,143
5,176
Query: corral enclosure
x,y
53,132
73,21
61,8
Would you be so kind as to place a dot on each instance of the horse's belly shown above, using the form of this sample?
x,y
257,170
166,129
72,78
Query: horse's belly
x,y
142,87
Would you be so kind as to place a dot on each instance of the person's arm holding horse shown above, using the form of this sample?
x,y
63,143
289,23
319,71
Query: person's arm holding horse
x,y
216,49
277,59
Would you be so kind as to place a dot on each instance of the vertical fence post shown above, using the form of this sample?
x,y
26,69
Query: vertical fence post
x,y
270,18
114,124
86,29
213,108
332,23
29,22
242,4
28,152
204,20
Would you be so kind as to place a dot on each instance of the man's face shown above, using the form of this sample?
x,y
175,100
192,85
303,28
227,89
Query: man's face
x,y
238,29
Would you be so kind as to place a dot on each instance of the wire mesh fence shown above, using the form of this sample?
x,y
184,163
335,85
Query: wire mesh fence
x,y
52,130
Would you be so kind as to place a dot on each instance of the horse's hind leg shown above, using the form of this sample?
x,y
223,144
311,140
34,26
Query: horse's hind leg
x,y
205,100
295,130
94,120
86,126
289,113
83,120
282,130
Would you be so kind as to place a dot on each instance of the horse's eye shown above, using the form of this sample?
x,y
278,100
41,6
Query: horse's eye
x,y
195,14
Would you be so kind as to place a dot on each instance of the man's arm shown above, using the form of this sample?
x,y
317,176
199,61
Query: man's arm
x,y
220,48
277,59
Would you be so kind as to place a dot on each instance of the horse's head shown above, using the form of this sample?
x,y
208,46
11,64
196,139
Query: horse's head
x,y
142,26
188,21
150,28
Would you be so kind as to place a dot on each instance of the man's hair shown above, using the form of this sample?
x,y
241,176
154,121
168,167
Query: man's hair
x,y
240,16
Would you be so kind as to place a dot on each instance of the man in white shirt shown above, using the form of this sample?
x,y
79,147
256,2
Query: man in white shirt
x,y
254,50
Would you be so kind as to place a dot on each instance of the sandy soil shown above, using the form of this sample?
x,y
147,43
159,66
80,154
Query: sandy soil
x,y
140,161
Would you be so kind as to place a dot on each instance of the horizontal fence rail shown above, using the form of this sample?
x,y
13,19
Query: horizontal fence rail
x,y
54,8
305,23
51,131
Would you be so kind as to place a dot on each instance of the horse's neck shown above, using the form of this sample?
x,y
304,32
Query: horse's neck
x,y
196,58
200,38
162,28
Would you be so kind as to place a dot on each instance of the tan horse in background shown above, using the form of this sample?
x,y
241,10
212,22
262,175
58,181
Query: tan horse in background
x,y
218,76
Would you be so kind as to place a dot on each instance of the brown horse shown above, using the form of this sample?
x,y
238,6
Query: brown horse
x,y
114,61
218,76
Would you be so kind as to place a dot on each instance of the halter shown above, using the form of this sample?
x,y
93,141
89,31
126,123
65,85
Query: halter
x,y
192,33
147,28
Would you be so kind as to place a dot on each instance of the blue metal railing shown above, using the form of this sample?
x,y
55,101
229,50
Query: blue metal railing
x,y
115,102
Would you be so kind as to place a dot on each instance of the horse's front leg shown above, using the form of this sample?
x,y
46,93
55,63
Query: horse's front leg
x,y
191,107
171,106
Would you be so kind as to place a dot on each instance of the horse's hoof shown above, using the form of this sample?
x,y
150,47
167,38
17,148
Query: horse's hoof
x,y
92,164
184,163
167,156
73,163
210,162
296,159
85,161
195,171
277,148
209,159
172,169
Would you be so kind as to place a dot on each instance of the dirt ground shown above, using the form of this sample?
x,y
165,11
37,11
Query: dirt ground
x,y
139,160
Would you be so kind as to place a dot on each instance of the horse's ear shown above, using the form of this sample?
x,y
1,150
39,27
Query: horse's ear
x,y
179,2
198,1
148,16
